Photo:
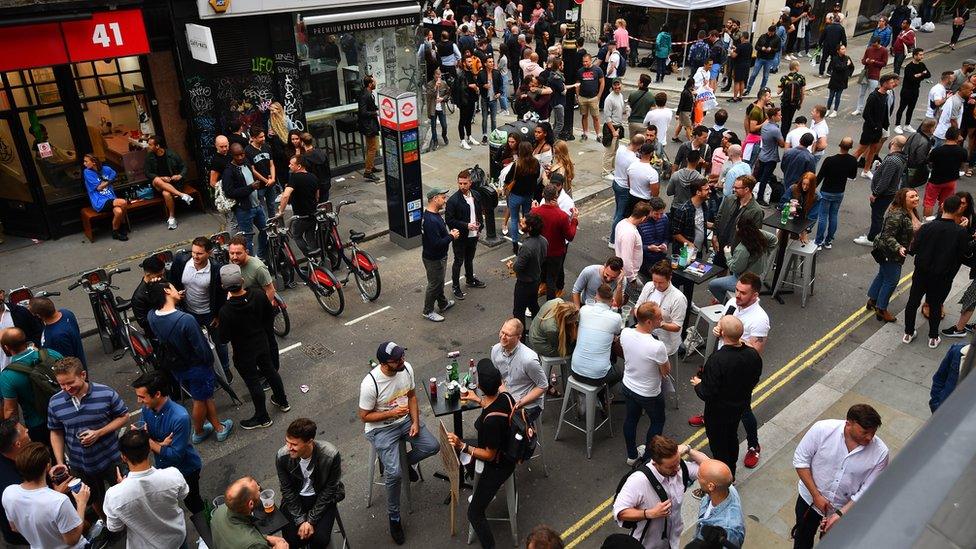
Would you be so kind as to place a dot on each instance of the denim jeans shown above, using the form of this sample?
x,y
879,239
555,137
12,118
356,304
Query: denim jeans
x,y
719,286
266,197
621,196
662,68
761,64
442,117
827,224
833,97
558,117
386,441
884,283
517,204
247,220
764,174
751,425
506,85
636,405
866,88
489,107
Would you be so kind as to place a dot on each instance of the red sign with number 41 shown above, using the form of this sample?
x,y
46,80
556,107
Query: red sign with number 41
x,y
107,34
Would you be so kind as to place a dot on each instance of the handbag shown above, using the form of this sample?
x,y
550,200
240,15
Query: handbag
x,y
145,192
221,202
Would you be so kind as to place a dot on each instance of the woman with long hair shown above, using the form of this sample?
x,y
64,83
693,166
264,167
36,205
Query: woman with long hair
x,y
841,69
98,182
295,147
751,255
890,249
466,101
562,163
805,193
524,176
508,157
277,139
542,143
553,332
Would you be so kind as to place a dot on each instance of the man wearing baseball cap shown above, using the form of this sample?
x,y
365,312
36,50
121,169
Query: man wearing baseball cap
x,y
388,407
153,268
436,239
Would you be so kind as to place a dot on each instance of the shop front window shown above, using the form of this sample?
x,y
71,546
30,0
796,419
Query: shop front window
x,y
54,153
13,184
333,65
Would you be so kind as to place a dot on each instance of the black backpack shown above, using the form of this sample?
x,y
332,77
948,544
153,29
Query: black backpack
x,y
41,375
662,494
170,357
792,93
521,442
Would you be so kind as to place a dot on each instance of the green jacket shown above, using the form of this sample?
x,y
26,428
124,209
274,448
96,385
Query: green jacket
x,y
896,232
176,164
235,531
752,211
743,262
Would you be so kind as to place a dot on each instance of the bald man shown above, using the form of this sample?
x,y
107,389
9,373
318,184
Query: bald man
x,y
521,369
232,524
725,384
720,507
217,166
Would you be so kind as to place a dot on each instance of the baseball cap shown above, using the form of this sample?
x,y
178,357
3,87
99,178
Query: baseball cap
x,y
152,264
969,62
230,276
387,351
436,191
489,378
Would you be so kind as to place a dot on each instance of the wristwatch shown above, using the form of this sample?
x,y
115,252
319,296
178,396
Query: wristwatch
x,y
838,512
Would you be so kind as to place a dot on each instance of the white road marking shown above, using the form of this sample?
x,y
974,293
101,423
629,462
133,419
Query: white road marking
x,y
365,316
504,259
290,347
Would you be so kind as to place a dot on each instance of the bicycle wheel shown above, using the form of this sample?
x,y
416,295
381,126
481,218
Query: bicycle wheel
x,y
327,290
367,275
282,322
450,106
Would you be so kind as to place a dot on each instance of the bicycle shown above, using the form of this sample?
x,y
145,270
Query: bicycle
x,y
22,295
320,280
358,262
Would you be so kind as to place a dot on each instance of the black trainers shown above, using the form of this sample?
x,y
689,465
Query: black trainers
x,y
396,532
265,386
255,423
970,327
952,331
458,293
475,283
283,407
412,473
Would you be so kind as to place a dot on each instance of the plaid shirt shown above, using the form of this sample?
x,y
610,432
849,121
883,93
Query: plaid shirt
x,y
683,223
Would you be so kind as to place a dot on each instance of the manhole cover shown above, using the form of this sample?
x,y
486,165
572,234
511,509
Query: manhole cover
x,y
316,350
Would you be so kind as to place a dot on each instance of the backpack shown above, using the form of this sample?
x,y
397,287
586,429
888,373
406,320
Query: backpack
x,y
714,142
698,53
662,494
41,375
792,92
170,358
622,66
521,443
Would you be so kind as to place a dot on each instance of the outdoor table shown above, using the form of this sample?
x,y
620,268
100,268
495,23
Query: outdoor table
x,y
792,228
269,524
686,281
443,407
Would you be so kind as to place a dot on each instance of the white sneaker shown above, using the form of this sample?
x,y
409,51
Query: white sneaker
x,y
867,175
171,223
473,141
833,114
434,317
187,198
898,130
855,112
640,454
464,145
863,241
505,113
909,129
608,177
611,246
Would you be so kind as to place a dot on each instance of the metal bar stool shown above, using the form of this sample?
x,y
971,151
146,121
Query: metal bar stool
x,y
511,497
590,394
800,260
404,474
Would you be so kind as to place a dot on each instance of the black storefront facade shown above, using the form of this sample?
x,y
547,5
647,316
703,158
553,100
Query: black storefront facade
x,y
309,56
76,78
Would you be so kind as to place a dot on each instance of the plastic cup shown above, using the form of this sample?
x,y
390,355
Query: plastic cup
x,y
75,485
139,425
59,473
268,501
674,261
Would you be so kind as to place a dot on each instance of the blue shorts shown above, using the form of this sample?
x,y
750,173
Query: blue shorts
x,y
199,382
716,69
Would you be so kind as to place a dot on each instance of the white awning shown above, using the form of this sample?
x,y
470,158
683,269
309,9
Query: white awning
x,y
679,4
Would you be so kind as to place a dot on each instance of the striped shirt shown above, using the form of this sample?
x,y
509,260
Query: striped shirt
x,y
95,410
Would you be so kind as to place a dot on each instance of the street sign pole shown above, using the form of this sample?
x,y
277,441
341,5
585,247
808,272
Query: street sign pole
x,y
401,160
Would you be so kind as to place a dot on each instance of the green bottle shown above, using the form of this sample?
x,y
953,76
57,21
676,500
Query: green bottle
x,y
453,376
785,218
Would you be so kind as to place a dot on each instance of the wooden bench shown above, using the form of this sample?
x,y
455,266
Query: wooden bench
x,y
88,214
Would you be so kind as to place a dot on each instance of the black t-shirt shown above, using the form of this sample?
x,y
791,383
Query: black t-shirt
x,y
162,167
320,167
589,79
260,158
946,161
493,431
743,54
219,164
302,199
835,171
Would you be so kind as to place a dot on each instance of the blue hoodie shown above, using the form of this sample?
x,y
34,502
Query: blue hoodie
x,y
181,331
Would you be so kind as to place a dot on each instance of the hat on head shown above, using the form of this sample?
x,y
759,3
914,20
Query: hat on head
x,y
388,350
436,191
230,276
152,264
489,378
969,62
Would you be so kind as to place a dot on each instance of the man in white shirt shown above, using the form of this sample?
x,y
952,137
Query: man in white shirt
x,y
655,521
642,178
951,115
43,516
628,246
820,131
660,116
616,110
613,61
646,365
624,157
146,502
673,303
598,325
837,461
799,130
938,95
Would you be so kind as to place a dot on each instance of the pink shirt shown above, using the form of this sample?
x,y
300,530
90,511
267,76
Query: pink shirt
x,y
622,37
627,245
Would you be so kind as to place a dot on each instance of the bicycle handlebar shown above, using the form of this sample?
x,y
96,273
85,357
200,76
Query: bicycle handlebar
x,y
343,203
122,270
74,285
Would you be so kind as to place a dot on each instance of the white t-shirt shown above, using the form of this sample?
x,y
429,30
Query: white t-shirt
x,y
613,60
755,321
660,118
147,505
643,357
621,161
793,138
641,175
6,321
41,516
820,129
951,110
469,198
387,393
305,466
937,93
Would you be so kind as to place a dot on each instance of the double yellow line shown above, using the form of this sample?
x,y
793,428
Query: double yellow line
x,y
762,391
